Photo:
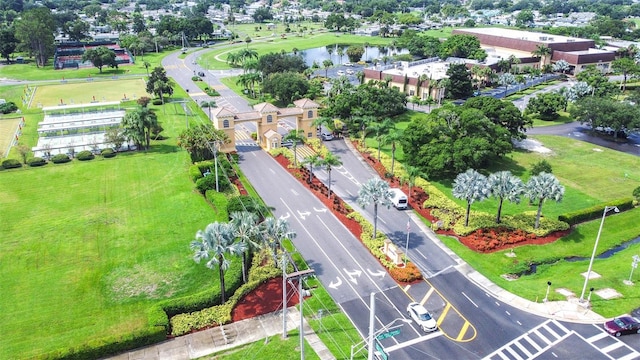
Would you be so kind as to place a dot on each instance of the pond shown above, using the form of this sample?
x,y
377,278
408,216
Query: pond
x,y
322,53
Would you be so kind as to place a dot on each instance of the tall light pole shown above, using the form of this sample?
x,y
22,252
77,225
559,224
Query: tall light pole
x,y
372,324
546,296
595,247
406,246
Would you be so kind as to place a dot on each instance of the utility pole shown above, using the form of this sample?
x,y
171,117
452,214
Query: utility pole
x,y
372,323
283,263
300,275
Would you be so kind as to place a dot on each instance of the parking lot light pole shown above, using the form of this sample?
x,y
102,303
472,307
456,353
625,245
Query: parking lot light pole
x,y
546,297
595,247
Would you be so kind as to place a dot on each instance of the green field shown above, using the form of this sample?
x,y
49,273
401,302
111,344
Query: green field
x,y
87,92
87,247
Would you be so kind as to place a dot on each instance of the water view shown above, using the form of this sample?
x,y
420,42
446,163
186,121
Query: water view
x,y
333,52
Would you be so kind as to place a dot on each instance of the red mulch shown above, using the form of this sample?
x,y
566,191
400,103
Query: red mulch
x,y
264,299
418,196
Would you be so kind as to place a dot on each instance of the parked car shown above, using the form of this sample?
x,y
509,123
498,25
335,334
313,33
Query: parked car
x,y
340,73
348,64
623,325
349,72
326,136
201,73
422,317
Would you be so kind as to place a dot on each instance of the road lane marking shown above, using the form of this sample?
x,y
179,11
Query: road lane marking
x,y
468,298
444,313
421,254
406,288
463,330
424,299
411,342
508,313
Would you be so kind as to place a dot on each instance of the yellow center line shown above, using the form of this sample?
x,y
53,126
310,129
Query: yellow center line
x,y
444,313
424,299
463,330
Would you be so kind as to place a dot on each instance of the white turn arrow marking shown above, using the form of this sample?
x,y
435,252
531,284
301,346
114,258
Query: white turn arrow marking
x,y
351,275
285,217
378,273
335,286
303,214
320,210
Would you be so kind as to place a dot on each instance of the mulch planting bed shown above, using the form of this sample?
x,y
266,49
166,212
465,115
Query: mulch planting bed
x,y
265,299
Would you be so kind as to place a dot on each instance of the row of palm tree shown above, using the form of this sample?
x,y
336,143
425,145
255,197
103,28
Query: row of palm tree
x,y
241,236
471,186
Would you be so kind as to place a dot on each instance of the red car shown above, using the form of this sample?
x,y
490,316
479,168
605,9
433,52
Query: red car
x,y
623,325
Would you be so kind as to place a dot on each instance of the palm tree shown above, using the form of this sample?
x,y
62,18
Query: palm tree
x,y
330,160
393,137
327,64
233,58
295,136
360,76
244,228
413,172
541,187
542,51
506,79
381,128
366,47
520,79
214,243
340,53
421,79
513,60
273,232
330,51
365,120
311,161
504,185
375,191
504,65
470,186
146,66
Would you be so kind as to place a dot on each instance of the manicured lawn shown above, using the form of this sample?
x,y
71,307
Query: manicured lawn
x,y
565,274
274,347
87,247
87,92
29,71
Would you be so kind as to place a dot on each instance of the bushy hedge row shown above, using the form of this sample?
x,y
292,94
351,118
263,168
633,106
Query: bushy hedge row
x,y
37,161
594,212
11,164
107,153
408,273
60,159
221,314
85,155
220,203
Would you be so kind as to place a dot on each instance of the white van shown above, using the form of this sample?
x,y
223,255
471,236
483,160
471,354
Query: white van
x,y
398,198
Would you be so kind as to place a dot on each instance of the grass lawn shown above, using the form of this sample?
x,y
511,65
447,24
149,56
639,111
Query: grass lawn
x,y
86,92
274,347
88,246
29,71
565,274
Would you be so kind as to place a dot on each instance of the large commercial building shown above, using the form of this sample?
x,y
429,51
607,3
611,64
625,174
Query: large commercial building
x,y
579,53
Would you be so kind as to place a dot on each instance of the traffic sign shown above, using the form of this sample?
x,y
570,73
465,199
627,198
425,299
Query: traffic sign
x,y
380,352
388,334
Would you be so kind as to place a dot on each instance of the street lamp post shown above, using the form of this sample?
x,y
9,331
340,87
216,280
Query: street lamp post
x,y
546,297
595,247
372,333
406,247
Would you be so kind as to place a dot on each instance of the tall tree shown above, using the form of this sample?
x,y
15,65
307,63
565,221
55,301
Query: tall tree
x,y
470,186
329,162
393,137
8,42
460,85
504,185
159,84
327,64
137,125
542,51
244,228
214,244
35,30
547,105
381,128
273,232
197,140
295,136
626,67
375,191
311,162
542,187
100,56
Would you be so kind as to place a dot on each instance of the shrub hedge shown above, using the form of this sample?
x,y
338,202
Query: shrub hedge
x,y
157,102
108,153
60,159
594,212
85,155
11,164
37,161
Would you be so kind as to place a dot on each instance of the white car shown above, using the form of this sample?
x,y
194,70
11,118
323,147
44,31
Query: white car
x,y
422,317
349,72
326,136
340,73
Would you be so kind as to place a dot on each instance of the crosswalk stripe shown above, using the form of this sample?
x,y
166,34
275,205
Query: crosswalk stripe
x,y
514,354
633,355
612,347
502,355
533,343
555,334
523,349
595,338
546,341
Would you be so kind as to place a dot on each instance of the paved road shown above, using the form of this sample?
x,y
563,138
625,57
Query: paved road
x,y
473,323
